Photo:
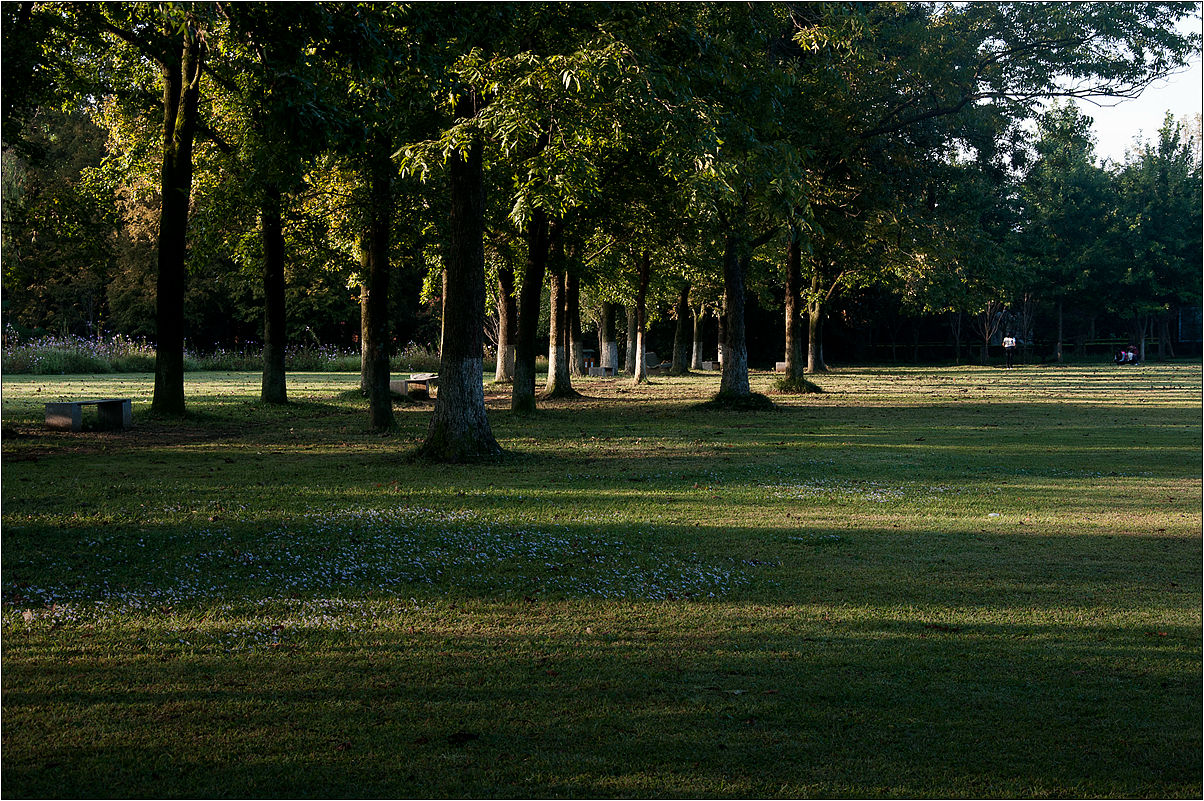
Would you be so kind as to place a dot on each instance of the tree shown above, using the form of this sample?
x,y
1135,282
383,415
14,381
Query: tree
x,y
459,430
267,93
1067,204
559,383
891,88
745,168
1159,230
176,40
390,68
60,227
683,333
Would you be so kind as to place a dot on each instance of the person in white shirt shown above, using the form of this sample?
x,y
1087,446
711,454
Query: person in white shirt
x,y
1009,348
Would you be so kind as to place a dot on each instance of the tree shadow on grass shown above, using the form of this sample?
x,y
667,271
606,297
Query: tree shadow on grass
x,y
789,704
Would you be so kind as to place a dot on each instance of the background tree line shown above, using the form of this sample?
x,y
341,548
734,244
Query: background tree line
x,y
772,176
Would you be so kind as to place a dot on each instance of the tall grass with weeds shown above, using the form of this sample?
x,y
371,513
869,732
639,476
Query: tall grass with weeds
x,y
55,355
65,355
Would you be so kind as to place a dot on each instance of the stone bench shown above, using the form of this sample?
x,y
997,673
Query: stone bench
x,y
423,381
602,371
113,414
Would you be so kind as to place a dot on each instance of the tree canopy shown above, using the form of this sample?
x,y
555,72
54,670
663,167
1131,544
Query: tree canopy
x,y
849,158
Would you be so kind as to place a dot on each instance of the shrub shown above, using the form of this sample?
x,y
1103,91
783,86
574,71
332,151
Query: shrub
x,y
321,359
65,360
416,359
231,361
62,355
54,355
136,363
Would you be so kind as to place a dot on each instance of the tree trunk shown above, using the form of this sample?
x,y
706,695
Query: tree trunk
x,y
815,338
459,430
721,337
955,326
443,312
700,324
633,336
682,335
572,310
365,356
640,373
522,395
816,312
734,381
559,384
273,389
794,307
608,348
1061,334
507,311
375,250
1164,336
181,95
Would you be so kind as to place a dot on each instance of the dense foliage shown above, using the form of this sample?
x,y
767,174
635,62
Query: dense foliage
x,y
867,163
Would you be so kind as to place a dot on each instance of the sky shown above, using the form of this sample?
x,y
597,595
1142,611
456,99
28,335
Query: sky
x,y
1118,126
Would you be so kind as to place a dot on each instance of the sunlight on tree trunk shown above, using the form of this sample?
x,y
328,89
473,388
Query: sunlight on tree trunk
x,y
507,311
699,344
640,373
608,348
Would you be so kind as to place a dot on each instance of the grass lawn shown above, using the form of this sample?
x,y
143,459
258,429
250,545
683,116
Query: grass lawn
x,y
922,582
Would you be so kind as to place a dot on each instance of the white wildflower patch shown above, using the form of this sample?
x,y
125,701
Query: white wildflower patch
x,y
387,552
873,492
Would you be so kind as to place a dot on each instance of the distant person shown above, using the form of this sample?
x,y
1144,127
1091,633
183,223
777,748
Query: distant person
x,y
1009,349
1127,356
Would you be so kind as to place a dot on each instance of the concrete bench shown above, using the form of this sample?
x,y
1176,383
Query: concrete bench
x,y
113,414
424,381
601,371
